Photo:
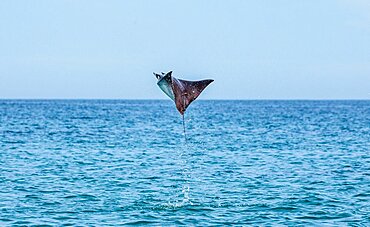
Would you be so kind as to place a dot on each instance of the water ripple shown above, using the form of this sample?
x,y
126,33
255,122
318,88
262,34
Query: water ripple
x,y
117,162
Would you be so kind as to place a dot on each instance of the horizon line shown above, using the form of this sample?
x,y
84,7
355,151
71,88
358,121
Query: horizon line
x,y
153,99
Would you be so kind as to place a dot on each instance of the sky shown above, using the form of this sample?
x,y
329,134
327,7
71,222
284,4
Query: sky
x,y
266,49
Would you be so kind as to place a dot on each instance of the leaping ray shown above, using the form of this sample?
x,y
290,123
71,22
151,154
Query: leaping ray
x,y
182,92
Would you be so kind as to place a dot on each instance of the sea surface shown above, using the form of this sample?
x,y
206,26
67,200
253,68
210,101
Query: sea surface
x,y
126,162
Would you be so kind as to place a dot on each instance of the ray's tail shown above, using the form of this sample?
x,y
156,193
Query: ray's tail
x,y
183,124
183,119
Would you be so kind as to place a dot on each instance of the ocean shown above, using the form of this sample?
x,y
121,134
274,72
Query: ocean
x,y
126,162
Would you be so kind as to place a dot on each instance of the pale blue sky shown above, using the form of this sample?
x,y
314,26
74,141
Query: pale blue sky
x,y
276,49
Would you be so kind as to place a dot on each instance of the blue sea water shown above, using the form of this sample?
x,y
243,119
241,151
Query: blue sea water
x,y
117,162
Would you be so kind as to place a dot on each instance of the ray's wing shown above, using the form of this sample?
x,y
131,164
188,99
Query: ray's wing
x,y
187,91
